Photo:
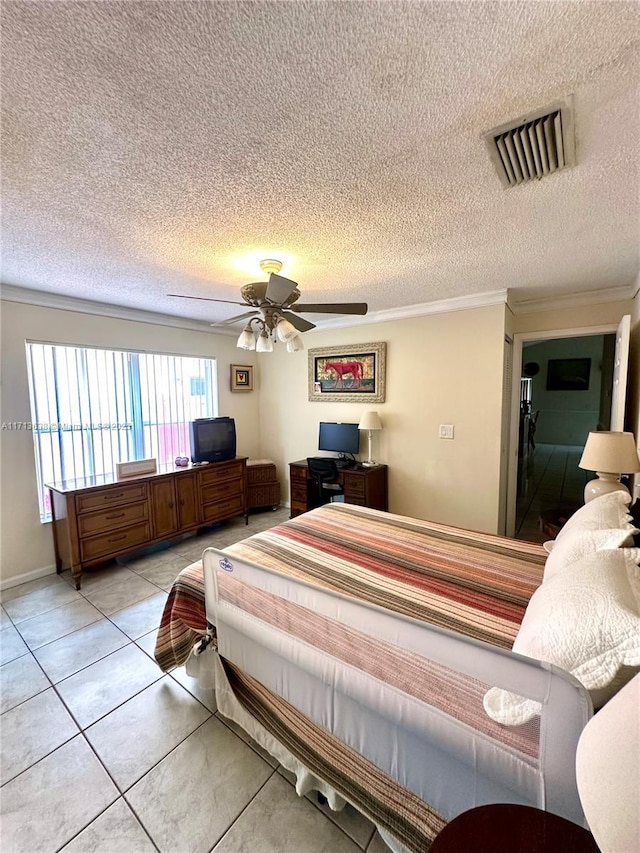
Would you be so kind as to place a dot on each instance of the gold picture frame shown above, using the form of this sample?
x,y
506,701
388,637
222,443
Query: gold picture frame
x,y
242,377
354,373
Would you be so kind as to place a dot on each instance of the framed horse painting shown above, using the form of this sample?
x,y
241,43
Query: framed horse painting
x,y
352,373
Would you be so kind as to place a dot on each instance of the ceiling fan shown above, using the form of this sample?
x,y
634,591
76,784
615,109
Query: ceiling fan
x,y
275,310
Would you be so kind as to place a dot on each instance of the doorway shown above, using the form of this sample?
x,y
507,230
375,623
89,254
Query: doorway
x,y
568,393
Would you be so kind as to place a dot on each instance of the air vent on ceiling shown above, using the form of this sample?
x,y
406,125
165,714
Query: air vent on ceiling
x,y
533,146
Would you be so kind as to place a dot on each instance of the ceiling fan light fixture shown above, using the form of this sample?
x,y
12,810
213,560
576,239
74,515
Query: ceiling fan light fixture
x,y
246,339
270,265
265,344
285,330
295,344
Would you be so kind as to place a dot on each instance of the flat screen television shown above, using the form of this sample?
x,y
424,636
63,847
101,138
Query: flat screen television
x,y
212,439
341,438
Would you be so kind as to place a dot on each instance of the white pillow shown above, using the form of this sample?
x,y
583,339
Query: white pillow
x,y
605,512
585,620
579,544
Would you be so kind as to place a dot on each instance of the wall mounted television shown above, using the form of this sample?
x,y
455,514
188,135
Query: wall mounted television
x,y
339,438
212,439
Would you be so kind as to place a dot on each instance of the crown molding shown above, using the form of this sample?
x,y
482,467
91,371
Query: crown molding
x,y
572,300
439,306
45,299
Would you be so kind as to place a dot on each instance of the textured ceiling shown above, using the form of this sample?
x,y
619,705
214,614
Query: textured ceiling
x,y
157,147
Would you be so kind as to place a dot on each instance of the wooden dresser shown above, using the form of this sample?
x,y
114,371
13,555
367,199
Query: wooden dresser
x,y
98,518
362,486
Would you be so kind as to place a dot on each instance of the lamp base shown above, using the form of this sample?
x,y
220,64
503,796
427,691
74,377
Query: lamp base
x,y
604,484
369,463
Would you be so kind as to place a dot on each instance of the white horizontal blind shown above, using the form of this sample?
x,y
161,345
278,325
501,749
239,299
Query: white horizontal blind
x,y
92,408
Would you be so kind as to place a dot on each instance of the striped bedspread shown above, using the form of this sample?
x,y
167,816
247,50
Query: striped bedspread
x,y
473,583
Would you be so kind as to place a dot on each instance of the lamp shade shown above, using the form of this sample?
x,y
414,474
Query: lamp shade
x,y
264,344
370,420
246,339
610,452
285,330
295,344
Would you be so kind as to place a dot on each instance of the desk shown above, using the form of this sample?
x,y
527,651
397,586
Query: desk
x,y
362,486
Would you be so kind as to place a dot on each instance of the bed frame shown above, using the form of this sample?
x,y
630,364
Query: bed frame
x,y
435,755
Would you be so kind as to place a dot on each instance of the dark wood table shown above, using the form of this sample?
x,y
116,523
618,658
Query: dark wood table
x,y
508,828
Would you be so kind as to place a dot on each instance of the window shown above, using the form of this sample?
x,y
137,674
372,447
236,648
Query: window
x,y
91,408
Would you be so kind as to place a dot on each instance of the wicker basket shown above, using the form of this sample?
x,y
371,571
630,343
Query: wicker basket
x,y
261,471
264,488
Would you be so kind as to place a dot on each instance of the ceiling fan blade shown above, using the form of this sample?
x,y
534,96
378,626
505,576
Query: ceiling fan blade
x,y
205,298
332,308
237,318
279,289
300,323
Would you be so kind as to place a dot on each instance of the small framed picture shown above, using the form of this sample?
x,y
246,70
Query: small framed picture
x,y
241,377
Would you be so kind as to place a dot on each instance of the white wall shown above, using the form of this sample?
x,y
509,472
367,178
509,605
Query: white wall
x,y
444,368
26,544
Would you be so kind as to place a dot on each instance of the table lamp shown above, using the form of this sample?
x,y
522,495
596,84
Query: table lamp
x,y
609,454
370,421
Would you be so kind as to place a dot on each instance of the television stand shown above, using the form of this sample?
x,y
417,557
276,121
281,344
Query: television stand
x,y
362,486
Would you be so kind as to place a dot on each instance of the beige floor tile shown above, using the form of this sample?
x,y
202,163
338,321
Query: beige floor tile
x,y
23,589
12,645
163,574
115,831
32,730
132,739
355,825
99,578
50,626
142,617
40,601
205,783
280,821
101,687
52,801
20,680
127,590
70,654
377,845
148,642
240,732
207,697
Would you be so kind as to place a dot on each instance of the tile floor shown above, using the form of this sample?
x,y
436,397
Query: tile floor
x,y
103,752
550,480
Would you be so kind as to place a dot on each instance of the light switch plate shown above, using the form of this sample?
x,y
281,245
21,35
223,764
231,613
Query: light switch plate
x,y
446,431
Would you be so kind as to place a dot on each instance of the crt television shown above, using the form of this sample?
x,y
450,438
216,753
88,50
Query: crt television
x,y
212,439
341,438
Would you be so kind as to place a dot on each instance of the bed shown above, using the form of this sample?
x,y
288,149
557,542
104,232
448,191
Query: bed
x,y
359,648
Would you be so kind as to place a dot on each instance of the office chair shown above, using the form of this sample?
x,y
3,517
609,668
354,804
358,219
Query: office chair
x,y
323,486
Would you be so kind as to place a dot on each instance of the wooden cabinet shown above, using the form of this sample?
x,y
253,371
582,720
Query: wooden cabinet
x,y
362,486
96,520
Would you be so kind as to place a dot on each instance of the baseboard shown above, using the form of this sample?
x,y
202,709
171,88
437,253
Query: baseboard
x,y
16,580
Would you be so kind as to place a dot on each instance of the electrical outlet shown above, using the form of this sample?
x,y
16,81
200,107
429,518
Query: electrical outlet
x,y
446,431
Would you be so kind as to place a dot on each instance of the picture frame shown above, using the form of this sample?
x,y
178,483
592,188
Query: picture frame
x,y
242,377
568,374
354,373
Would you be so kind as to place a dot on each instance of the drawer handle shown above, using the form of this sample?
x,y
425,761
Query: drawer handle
x,y
170,505
118,515
117,538
112,497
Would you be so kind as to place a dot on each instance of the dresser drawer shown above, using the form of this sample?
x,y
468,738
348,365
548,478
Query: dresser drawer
x,y
220,491
354,485
104,497
298,472
216,472
222,509
113,518
117,540
299,492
